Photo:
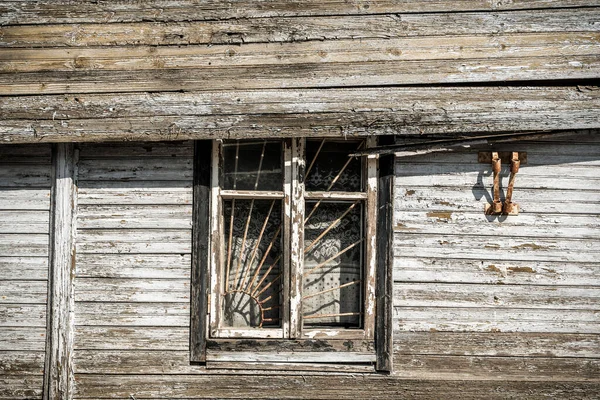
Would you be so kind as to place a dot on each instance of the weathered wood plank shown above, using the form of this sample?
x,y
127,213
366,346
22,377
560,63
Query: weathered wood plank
x,y
497,296
102,195
497,344
424,268
133,217
267,113
304,75
146,338
432,104
24,199
142,241
526,47
147,266
135,150
23,315
69,11
127,169
58,376
22,339
496,368
476,223
23,292
31,176
21,363
507,248
132,290
131,314
21,387
24,221
495,320
24,268
292,29
322,387
23,245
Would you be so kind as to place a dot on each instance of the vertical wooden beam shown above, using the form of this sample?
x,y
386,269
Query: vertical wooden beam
x,y
201,249
385,258
58,374
294,229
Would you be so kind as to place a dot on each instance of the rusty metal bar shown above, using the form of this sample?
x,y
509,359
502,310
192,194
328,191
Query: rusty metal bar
x,y
266,287
331,315
266,273
331,289
315,157
509,206
230,240
321,265
262,261
496,167
333,225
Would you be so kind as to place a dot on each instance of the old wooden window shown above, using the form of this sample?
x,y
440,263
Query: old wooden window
x,y
292,261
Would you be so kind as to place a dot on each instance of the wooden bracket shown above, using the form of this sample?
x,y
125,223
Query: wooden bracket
x,y
496,158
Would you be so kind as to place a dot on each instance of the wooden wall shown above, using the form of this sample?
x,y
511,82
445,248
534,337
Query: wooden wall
x,y
175,70
503,308
24,237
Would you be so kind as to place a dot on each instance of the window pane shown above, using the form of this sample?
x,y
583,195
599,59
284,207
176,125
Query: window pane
x,y
252,165
332,169
333,264
252,263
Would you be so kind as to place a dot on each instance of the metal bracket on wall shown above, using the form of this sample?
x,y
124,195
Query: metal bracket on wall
x,y
515,159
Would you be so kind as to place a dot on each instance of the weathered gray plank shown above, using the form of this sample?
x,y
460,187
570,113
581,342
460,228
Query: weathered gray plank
x,y
523,46
132,290
291,29
24,176
23,292
21,363
553,201
23,315
58,376
69,11
496,296
24,199
508,248
136,169
424,268
497,344
496,368
144,241
135,150
146,266
322,387
304,75
24,221
23,245
22,339
495,320
477,223
132,314
431,104
138,217
267,113
24,268
146,338
21,387
99,195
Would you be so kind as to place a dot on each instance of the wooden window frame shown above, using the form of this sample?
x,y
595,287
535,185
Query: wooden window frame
x,y
291,343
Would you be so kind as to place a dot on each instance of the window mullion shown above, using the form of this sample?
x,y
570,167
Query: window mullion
x,y
297,237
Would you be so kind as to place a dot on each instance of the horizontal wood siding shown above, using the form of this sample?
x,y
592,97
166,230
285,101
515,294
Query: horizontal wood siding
x,y
482,297
122,71
24,237
133,263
